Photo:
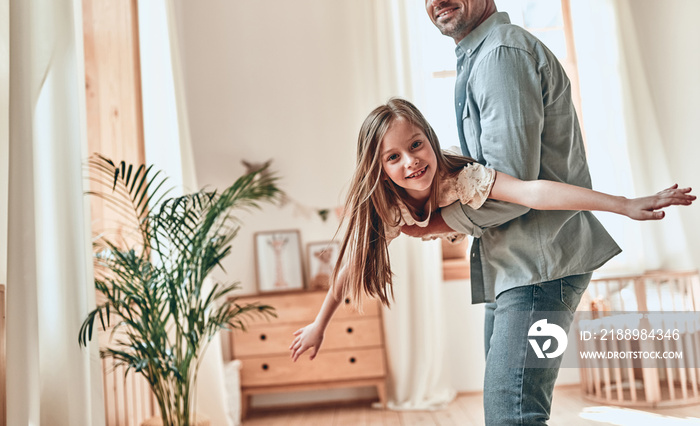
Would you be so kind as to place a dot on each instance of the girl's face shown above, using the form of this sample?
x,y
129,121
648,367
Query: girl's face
x,y
408,159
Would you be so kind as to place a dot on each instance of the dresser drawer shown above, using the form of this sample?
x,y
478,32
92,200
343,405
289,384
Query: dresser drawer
x,y
304,306
276,338
328,366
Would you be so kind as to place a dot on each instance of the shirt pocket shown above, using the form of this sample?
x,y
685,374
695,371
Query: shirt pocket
x,y
470,133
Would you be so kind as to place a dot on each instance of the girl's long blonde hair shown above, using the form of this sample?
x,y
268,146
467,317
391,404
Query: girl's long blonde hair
x,y
371,203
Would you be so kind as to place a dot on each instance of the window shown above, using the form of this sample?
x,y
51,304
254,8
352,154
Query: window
x,y
549,21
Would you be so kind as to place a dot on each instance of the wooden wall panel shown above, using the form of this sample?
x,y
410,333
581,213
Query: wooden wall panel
x,y
115,130
113,85
113,78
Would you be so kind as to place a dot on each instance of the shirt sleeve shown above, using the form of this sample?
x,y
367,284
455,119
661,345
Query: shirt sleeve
x,y
474,184
507,88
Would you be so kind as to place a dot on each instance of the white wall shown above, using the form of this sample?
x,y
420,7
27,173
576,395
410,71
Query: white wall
x,y
668,35
276,82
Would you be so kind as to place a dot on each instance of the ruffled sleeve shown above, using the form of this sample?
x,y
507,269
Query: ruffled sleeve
x,y
474,184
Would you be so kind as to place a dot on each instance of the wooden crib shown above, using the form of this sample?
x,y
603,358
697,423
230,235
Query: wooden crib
x,y
670,382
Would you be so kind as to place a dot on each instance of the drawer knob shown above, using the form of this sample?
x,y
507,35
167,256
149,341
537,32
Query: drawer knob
x,y
352,360
265,367
349,329
263,337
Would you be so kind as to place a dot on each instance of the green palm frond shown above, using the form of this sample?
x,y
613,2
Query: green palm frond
x,y
151,275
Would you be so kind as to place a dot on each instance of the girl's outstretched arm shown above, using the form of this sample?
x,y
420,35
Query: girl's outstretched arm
x,y
550,195
311,336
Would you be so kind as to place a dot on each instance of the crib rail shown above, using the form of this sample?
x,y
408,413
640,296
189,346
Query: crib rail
x,y
671,383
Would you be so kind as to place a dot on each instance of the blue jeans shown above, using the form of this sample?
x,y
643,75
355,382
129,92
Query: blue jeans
x,y
515,394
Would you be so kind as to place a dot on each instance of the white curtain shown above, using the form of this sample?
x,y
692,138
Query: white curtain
x,y
50,379
414,326
168,146
625,147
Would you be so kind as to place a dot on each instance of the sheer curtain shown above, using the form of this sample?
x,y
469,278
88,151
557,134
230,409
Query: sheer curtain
x,y
624,143
168,146
414,326
50,379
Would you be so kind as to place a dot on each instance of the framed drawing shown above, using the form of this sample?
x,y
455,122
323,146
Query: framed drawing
x,y
321,258
278,262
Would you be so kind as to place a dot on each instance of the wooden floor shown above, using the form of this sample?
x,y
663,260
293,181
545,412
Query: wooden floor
x,y
569,409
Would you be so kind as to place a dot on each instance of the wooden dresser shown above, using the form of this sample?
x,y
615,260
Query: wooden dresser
x,y
352,353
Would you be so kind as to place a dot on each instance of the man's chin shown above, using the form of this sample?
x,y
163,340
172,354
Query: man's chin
x,y
448,30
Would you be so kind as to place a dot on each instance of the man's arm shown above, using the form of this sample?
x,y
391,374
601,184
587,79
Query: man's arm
x,y
455,217
464,219
507,87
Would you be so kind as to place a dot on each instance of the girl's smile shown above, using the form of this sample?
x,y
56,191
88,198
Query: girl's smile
x,y
419,173
408,159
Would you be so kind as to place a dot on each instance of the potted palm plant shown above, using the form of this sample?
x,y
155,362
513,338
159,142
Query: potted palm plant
x,y
153,276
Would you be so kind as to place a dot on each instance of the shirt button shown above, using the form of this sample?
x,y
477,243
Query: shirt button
x,y
469,51
461,67
460,104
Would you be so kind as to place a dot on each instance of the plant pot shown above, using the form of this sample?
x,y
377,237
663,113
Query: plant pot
x,y
202,420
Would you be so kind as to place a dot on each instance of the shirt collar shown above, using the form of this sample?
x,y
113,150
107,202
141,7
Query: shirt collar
x,y
408,218
469,43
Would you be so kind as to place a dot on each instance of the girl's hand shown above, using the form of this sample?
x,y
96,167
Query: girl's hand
x,y
309,337
645,208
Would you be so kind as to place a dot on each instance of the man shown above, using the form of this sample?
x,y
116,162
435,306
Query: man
x,y
515,114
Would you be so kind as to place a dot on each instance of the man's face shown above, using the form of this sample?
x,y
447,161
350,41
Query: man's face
x,y
457,18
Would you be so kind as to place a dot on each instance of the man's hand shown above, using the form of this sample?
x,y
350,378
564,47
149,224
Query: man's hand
x,y
436,225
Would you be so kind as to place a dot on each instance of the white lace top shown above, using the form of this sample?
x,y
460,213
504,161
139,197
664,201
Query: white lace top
x,y
471,186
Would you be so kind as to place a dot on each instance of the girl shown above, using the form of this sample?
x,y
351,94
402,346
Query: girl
x,y
402,176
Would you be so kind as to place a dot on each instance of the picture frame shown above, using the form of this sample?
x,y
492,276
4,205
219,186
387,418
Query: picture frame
x,y
321,257
278,262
